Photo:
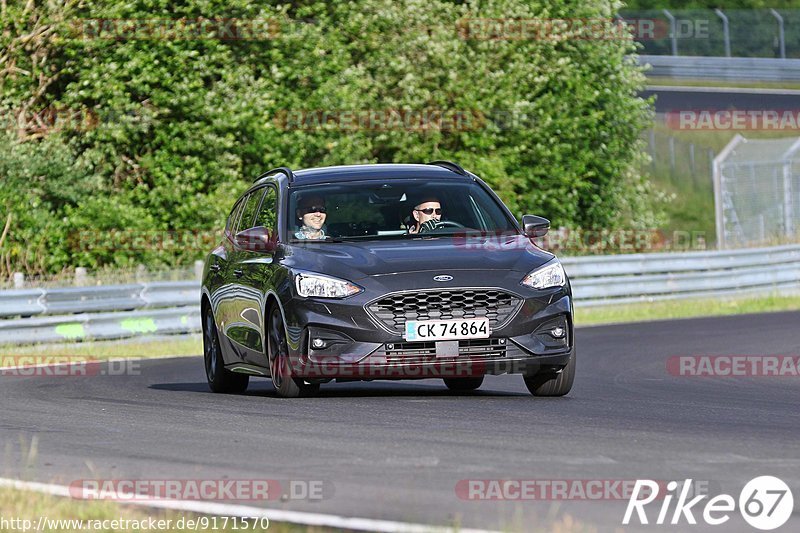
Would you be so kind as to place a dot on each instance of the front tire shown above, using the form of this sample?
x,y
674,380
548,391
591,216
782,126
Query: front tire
x,y
280,367
219,379
463,384
551,384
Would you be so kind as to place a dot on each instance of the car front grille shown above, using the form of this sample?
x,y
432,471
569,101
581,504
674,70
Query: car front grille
x,y
394,310
422,352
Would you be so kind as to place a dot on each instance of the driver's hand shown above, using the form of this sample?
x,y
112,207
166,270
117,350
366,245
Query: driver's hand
x,y
430,225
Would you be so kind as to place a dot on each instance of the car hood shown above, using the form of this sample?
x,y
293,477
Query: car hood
x,y
442,255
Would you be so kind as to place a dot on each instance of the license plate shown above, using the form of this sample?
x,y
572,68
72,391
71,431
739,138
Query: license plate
x,y
443,330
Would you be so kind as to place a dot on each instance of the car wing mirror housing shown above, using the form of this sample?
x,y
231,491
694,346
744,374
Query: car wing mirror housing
x,y
257,239
535,226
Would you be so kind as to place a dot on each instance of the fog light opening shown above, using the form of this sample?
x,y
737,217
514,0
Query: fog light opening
x,y
318,344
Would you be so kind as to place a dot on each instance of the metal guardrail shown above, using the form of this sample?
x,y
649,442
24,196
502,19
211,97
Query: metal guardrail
x,y
648,277
722,68
119,311
102,312
29,302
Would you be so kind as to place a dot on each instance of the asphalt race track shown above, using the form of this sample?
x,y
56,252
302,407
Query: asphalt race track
x,y
396,450
709,98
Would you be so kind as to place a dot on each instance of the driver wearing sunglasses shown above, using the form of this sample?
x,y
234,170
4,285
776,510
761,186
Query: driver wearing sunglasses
x,y
311,212
427,215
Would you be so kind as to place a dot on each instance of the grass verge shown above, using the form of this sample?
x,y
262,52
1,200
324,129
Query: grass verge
x,y
183,345
690,308
110,516
737,84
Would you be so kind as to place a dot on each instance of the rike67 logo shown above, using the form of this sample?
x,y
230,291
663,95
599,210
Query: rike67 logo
x,y
765,503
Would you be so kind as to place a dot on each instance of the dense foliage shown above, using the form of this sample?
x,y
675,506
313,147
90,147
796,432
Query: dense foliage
x,y
162,134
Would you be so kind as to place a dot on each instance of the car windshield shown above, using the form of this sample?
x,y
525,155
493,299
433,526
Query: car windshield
x,y
374,210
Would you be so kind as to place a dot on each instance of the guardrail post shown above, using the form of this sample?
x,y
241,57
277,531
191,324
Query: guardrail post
x,y
718,192
788,211
781,35
81,276
672,156
19,280
198,270
711,156
673,29
141,273
726,31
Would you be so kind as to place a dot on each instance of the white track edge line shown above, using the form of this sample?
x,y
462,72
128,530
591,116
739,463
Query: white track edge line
x,y
276,515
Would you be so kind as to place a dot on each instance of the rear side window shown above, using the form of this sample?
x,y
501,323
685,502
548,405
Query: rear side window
x,y
267,215
249,211
234,216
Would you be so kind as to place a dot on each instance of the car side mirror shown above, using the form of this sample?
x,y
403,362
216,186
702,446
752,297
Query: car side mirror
x,y
257,239
534,226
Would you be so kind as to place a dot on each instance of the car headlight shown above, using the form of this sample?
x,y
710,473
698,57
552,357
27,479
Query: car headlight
x,y
319,286
550,275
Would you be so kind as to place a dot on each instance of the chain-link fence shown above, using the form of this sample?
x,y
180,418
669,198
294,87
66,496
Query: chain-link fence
x,y
680,170
677,160
757,192
707,32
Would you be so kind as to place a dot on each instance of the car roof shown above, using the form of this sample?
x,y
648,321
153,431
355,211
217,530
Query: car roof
x,y
377,172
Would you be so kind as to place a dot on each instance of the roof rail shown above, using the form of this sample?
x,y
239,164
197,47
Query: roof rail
x,y
285,170
449,165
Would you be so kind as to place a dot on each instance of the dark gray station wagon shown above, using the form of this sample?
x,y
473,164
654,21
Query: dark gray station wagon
x,y
383,272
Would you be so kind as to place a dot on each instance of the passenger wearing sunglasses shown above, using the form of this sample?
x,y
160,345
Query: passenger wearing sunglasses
x,y
427,215
311,213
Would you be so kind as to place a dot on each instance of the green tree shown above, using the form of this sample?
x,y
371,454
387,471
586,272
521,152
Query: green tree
x,y
177,128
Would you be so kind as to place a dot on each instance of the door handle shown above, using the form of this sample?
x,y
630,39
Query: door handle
x,y
215,267
238,273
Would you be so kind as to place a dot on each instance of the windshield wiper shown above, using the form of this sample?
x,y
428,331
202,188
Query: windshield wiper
x,y
432,234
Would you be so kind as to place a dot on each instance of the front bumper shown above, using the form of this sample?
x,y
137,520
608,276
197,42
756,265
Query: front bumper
x,y
356,345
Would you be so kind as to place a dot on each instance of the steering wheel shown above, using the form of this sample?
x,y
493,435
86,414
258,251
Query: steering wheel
x,y
449,224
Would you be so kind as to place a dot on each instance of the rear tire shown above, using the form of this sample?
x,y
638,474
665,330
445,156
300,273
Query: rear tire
x,y
463,384
280,367
547,383
219,379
